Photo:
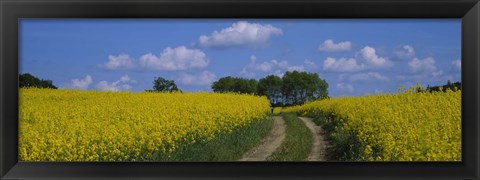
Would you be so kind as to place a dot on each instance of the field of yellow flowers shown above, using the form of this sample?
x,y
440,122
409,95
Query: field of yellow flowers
x,y
407,126
75,125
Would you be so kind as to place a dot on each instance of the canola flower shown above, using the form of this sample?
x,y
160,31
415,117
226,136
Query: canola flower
x,y
408,126
76,125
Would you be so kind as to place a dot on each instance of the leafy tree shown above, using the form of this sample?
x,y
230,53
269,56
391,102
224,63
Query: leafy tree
x,y
28,80
249,86
271,86
301,87
161,84
319,89
234,84
452,86
292,89
288,88
224,84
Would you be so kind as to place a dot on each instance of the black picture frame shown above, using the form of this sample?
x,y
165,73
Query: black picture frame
x,y
11,11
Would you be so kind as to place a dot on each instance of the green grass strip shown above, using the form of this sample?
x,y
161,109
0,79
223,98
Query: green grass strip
x,y
298,141
225,147
345,144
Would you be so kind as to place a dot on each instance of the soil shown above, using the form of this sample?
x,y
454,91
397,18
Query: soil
x,y
319,147
269,144
276,136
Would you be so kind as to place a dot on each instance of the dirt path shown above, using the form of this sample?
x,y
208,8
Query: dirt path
x,y
268,144
319,147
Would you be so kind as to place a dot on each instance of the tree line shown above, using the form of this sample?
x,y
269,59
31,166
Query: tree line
x,y
293,88
28,80
452,86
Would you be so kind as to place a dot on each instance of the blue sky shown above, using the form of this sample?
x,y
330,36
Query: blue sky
x,y
356,57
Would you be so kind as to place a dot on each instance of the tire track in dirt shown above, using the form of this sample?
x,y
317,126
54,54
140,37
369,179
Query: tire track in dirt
x,y
269,144
319,144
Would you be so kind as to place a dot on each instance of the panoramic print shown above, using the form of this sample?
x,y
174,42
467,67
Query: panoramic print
x,y
239,90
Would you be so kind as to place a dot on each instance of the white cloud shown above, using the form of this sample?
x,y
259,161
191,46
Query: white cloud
x,y
452,78
378,91
367,55
437,73
253,58
105,86
125,78
369,76
179,58
422,65
457,64
127,87
329,46
345,87
81,83
123,84
240,34
278,73
406,52
310,64
422,69
281,64
342,65
300,68
276,67
122,61
203,78
170,59
267,66
370,56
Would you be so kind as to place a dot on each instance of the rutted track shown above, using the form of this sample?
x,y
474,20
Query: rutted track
x,y
268,144
319,146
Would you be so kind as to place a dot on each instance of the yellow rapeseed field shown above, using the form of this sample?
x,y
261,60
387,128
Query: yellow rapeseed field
x,y
408,126
75,125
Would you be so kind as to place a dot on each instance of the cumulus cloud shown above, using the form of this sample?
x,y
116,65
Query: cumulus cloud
x,y
276,67
345,87
267,66
300,68
125,79
170,59
369,54
377,91
406,52
123,84
179,58
457,64
342,65
203,78
329,46
369,76
81,83
310,64
424,66
241,33
437,73
421,65
368,60
122,61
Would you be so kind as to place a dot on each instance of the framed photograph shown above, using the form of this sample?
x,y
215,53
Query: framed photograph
x,y
228,89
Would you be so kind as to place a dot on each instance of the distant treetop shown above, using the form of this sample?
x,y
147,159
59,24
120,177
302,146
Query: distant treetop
x,y
161,84
28,80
